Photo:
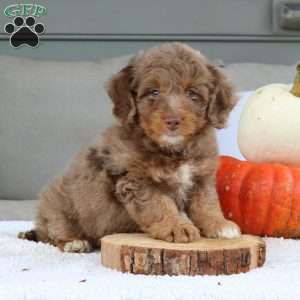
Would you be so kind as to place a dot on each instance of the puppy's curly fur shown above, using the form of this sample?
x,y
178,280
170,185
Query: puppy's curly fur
x,y
154,171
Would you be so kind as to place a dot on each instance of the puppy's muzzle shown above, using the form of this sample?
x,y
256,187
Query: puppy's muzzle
x,y
172,122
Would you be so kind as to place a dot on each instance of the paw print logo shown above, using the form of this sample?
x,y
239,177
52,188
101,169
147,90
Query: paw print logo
x,y
24,32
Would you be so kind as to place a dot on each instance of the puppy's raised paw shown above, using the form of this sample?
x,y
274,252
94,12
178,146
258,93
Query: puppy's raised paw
x,y
221,229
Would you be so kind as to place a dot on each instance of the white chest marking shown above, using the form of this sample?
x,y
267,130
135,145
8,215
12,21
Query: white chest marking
x,y
172,140
184,175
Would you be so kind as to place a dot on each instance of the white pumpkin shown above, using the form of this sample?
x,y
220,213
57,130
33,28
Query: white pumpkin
x,y
269,127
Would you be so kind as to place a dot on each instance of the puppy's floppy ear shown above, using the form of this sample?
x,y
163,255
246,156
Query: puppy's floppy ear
x,y
222,98
119,90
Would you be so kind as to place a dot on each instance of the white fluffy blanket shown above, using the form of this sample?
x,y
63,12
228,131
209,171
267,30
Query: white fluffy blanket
x,y
31,270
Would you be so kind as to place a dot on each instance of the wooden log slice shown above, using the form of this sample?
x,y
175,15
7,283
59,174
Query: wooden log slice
x,y
140,254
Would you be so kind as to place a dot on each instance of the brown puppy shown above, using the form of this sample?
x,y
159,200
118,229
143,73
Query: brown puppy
x,y
155,171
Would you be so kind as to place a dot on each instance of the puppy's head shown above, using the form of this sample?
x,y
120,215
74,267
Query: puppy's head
x,y
172,93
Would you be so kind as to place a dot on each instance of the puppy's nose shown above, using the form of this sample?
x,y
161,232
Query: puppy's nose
x,y
172,122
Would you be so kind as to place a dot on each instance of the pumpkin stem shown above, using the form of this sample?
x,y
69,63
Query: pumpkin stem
x,y
296,86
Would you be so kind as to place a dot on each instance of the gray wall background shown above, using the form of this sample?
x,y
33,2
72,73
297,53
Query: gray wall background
x,y
230,30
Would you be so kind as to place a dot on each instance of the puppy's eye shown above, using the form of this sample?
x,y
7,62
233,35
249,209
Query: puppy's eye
x,y
192,95
154,92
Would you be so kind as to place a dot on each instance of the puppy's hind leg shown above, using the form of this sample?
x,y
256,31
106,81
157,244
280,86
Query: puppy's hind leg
x,y
76,246
57,221
65,246
55,228
67,235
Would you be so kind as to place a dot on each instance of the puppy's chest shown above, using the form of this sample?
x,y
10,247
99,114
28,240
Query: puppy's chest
x,y
179,180
184,176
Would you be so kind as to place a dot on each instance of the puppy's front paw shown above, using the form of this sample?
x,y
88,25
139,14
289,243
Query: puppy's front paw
x,y
221,229
181,233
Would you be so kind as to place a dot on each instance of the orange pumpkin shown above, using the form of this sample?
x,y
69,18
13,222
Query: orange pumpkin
x,y
263,198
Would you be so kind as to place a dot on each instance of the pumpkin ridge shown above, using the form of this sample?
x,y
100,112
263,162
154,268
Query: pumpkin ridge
x,y
263,195
292,201
240,195
280,201
267,220
228,188
242,175
293,226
